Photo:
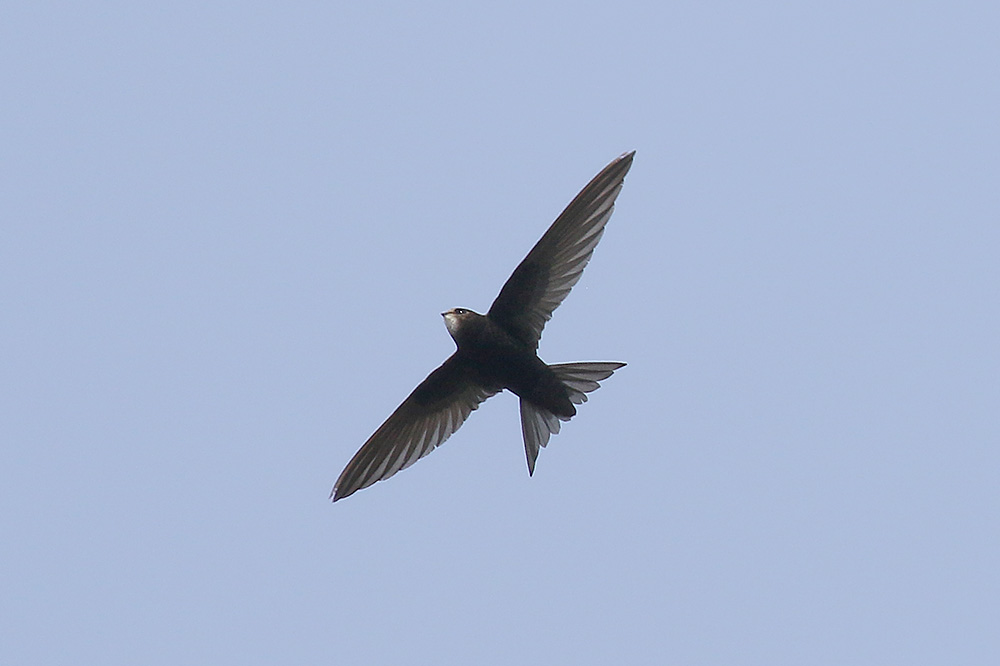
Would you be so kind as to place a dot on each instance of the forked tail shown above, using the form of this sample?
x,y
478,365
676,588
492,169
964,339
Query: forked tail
x,y
537,424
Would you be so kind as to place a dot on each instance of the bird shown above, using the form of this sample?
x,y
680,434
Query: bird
x,y
499,350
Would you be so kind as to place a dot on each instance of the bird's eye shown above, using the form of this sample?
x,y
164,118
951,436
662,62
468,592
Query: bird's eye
x,y
460,311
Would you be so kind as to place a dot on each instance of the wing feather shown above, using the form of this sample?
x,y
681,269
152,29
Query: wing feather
x,y
543,279
431,414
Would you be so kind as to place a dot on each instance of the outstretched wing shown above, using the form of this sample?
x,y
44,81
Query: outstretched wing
x,y
429,416
543,279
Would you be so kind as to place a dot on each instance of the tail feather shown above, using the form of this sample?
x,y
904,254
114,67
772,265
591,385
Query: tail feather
x,y
538,424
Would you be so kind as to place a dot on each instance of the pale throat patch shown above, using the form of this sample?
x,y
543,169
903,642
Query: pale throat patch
x,y
451,320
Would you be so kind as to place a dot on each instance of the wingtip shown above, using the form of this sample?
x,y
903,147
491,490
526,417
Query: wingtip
x,y
622,162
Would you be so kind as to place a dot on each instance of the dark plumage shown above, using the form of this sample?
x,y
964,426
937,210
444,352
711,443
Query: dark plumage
x,y
497,350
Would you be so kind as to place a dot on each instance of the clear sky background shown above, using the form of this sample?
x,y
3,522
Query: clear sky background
x,y
228,230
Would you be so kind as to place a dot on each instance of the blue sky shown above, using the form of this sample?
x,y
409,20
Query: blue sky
x,y
229,230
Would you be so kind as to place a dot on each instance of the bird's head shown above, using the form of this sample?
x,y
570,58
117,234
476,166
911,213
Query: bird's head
x,y
458,319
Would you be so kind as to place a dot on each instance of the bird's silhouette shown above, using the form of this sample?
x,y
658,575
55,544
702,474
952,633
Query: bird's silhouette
x,y
497,350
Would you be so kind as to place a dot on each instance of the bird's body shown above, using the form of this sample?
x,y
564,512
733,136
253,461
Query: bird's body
x,y
501,361
498,350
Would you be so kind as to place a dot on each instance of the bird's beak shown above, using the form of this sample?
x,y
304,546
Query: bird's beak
x,y
444,314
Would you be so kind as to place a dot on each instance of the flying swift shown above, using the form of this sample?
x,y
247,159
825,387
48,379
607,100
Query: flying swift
x,y
498,350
